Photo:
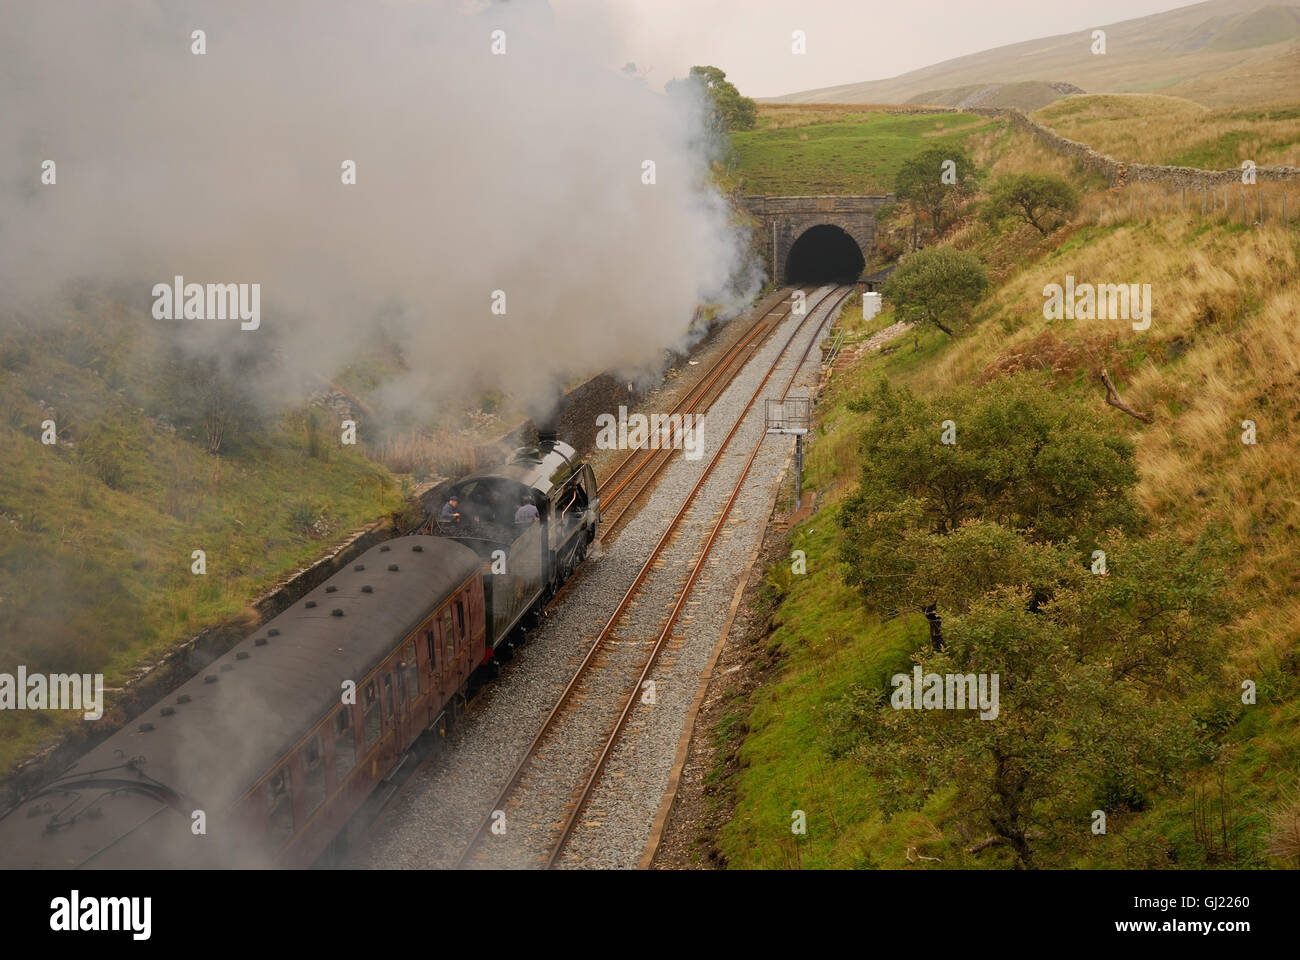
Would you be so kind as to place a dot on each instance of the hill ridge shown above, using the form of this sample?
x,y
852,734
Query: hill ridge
x,y
1221,52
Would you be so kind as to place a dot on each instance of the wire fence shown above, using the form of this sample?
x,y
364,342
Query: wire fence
x,y
1260,204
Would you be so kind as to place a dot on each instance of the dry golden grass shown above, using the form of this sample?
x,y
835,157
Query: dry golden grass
x,y
1224,347
1144,128
1024,153
783,116
443,452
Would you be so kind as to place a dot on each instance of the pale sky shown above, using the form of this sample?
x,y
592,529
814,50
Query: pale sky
x,y
848,40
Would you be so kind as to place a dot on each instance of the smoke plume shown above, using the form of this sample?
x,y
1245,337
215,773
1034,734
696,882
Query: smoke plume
x,y
476,171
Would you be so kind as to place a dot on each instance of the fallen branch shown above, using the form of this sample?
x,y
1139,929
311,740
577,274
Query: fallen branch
x,y
1113,398
913,859
995,839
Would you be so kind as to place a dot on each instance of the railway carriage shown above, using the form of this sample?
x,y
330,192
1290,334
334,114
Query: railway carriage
x,y
269,755
266,756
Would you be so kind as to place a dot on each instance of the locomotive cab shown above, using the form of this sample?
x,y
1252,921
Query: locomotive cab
x,y
531,521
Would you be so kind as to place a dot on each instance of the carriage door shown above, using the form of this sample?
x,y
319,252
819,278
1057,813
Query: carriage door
x,y
390,693
450,656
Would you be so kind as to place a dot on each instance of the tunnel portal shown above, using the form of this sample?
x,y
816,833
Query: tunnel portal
x,y
833,235
824,254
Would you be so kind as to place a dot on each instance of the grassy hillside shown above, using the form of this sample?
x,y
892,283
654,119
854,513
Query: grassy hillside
x,y
802,151
97,530
1220,53
1223,347
1026,95
1158,129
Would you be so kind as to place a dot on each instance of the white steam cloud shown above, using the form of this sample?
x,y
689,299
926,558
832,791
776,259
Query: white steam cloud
x,y
475,172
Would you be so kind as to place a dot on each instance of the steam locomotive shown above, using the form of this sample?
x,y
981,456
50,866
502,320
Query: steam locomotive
x,y
272,754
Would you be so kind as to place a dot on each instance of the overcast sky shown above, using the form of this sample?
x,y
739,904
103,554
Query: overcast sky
x,y
848,40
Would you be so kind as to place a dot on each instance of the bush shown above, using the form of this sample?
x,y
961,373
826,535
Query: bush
x,y
1024,458
920,182
938,285
302,517
1042,200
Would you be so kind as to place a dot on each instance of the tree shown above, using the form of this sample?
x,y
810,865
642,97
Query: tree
x,y
1044,201
728,110
935,181
1026,462
1083,718
938,285
206,402
1150,618
1094,655
1065,738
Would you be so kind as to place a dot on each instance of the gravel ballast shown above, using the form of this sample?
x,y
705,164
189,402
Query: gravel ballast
x,y
432,817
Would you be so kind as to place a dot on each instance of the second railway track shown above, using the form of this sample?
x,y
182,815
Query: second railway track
x,y
632,476
537,809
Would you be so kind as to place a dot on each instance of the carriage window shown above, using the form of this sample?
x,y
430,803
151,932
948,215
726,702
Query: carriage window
x,y
411,671
447,635
345,743
460,618
314,774
388,693
432,643
281,803
372,714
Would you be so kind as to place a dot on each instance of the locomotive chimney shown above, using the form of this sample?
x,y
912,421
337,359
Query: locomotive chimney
x,y
547,434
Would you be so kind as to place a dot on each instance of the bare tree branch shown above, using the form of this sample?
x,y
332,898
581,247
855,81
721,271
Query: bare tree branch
x,y
1113,398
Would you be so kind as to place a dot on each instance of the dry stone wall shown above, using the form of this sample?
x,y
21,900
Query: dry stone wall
x,y
1118,172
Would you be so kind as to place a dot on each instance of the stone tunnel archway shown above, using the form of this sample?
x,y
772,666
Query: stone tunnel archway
x,y
825,253
785,221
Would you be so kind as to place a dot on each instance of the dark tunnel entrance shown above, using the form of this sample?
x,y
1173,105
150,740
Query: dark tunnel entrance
x,y
824,254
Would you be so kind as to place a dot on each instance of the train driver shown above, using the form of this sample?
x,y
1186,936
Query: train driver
x,y
451,510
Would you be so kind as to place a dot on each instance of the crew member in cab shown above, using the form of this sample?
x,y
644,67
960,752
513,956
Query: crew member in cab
x,y
450,511
526,514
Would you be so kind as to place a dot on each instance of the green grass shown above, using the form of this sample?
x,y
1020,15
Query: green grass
x,y
859,154
1178,132
824,642
1222,152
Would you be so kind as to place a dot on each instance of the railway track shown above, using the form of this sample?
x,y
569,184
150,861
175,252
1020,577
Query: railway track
x,y
616,667
625,484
